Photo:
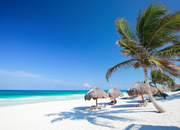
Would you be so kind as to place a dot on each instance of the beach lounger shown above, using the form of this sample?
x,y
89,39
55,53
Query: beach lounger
x,y
95,108
102,106
142,104
113,102
124,98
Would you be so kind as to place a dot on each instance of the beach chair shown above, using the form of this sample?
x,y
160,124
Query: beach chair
x,y
142,104
113,102
102,106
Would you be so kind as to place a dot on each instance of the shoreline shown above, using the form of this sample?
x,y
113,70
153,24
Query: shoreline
x,y
70,114
31,99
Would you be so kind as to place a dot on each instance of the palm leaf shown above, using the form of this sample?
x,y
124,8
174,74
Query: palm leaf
x,y
125,31
125,64
128,46
148,19
166,67
169,52
166,27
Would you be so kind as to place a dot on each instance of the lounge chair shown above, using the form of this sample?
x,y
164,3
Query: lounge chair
x,y
142,104
95,108
102,106
113,102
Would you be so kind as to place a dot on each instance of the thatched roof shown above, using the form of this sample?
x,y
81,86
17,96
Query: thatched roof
x,y
115,93
95,93
140,88
160,89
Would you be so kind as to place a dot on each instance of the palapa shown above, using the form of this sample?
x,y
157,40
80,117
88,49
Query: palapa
x,y
160,89
95,93
115,93
140,88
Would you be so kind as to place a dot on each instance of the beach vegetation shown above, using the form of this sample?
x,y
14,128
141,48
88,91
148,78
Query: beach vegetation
x,y
157,77
160,95
153,43
176,89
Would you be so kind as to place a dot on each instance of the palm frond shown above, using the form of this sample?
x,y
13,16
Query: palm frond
x,y
124,29
127,53
125,65
147,20
169,52
129,46
166,27
171,69
166,67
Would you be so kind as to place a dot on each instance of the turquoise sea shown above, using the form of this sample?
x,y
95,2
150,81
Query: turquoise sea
x,y
17,97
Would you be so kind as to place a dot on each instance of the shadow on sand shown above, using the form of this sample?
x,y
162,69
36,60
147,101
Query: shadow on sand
x,y
172,97
150,127
78,113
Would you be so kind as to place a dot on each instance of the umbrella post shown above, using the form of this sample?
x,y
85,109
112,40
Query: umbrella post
x,y
142,98
96,102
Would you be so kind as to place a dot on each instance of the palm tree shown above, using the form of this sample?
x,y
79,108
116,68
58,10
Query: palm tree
x,y
157,77
147,45
170,83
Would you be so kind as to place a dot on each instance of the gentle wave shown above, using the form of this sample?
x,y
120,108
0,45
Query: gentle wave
x,y
38,99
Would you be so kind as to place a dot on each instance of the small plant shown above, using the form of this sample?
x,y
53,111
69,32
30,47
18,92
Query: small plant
x,y
176,89
160,95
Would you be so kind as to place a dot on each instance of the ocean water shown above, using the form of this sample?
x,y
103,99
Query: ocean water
x,y
18,97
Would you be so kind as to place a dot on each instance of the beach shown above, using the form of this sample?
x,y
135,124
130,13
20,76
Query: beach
x,y
70,115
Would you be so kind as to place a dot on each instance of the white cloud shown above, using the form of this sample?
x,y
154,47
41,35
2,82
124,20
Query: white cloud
x,y
86,85
116,85
18,74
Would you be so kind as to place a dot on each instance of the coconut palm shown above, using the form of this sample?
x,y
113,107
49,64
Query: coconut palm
x,y
147,46
157,77
170,83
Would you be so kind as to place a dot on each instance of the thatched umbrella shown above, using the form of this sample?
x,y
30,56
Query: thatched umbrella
x,y
140,88
115,93
160,89
95,93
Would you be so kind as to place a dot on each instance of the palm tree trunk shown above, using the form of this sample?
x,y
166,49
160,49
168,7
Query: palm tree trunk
x,y
159,108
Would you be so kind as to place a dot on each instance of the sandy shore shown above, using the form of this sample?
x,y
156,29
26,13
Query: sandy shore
x,y
69,115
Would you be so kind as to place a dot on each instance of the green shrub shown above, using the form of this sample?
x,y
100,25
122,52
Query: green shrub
x,y
162,95
176,89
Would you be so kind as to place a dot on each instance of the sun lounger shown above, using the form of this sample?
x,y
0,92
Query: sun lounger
x,y
142,104
113,102
95,108
102,106
124,98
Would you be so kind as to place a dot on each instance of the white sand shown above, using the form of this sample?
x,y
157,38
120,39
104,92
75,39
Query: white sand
x,y
69,115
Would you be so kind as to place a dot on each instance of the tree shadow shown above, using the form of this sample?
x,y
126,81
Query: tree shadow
x,y
78,113
105,103
150,127
122,106
172,97
134,101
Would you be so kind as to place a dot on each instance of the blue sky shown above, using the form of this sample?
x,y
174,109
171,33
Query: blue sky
x,y
65,45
